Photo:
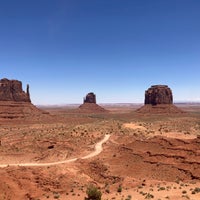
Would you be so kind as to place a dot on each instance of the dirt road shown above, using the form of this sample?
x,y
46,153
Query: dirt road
x,y
98,149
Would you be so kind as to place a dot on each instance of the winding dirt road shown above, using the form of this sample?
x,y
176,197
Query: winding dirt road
x,y
98,149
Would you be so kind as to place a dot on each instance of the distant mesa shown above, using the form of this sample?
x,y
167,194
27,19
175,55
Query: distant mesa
x,y
90,105
14,102
159,99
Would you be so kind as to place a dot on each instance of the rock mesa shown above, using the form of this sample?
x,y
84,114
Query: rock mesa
x,y
158,100
158,94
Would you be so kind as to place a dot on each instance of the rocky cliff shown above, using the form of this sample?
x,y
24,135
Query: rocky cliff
x,y
158,100
11,90
15,103
158,94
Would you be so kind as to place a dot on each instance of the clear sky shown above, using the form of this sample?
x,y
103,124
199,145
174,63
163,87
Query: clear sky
x,y
114,48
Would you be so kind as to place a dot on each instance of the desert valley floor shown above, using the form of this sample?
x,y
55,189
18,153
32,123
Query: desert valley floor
x,y
146,156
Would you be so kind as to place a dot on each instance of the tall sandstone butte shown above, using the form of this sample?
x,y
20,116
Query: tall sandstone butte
x,y
11,90
90,98
15,103
90,105
158,94
158,100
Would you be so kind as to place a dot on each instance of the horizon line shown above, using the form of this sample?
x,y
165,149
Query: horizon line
x,y
125,103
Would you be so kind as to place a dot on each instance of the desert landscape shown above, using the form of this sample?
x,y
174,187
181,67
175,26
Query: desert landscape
x,y
99,100
126,151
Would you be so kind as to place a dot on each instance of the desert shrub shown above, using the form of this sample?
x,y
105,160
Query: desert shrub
x,y
161,188
56,196
149,196
196,190
129,197
119,188
93,193
107,190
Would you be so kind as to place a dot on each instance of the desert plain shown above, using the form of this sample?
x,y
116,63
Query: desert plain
x,y
145,156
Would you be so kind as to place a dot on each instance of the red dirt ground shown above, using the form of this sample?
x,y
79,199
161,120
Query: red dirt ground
x,y
156,155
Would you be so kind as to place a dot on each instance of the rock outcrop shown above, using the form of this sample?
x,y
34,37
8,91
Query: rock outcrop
x,y
90,98
158,94
15,103
159,100
11,90
90,105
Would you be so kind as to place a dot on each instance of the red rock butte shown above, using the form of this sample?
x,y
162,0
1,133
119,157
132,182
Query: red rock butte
x,y
159,99
158,94
90,98
90,105
14,102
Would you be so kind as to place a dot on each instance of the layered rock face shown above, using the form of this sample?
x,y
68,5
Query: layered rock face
x,y
159,100
11,90
158,94
15,103
90,98
90,105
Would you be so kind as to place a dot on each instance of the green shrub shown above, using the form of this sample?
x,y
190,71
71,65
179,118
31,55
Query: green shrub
x,y
93,193
149,196
196,190
161,188
119,188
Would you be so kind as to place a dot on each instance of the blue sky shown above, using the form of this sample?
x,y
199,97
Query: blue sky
x,y
114,48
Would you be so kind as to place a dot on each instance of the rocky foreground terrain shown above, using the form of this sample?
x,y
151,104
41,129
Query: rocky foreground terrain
x,y
153,156
152,152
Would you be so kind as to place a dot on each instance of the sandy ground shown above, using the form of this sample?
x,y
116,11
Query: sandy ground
x,y
157,191
97,150
148,157
174,134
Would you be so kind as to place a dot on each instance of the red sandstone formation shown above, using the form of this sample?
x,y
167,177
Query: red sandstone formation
x,y
158,100
90,98
158,94
14,102
11,90
89,104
